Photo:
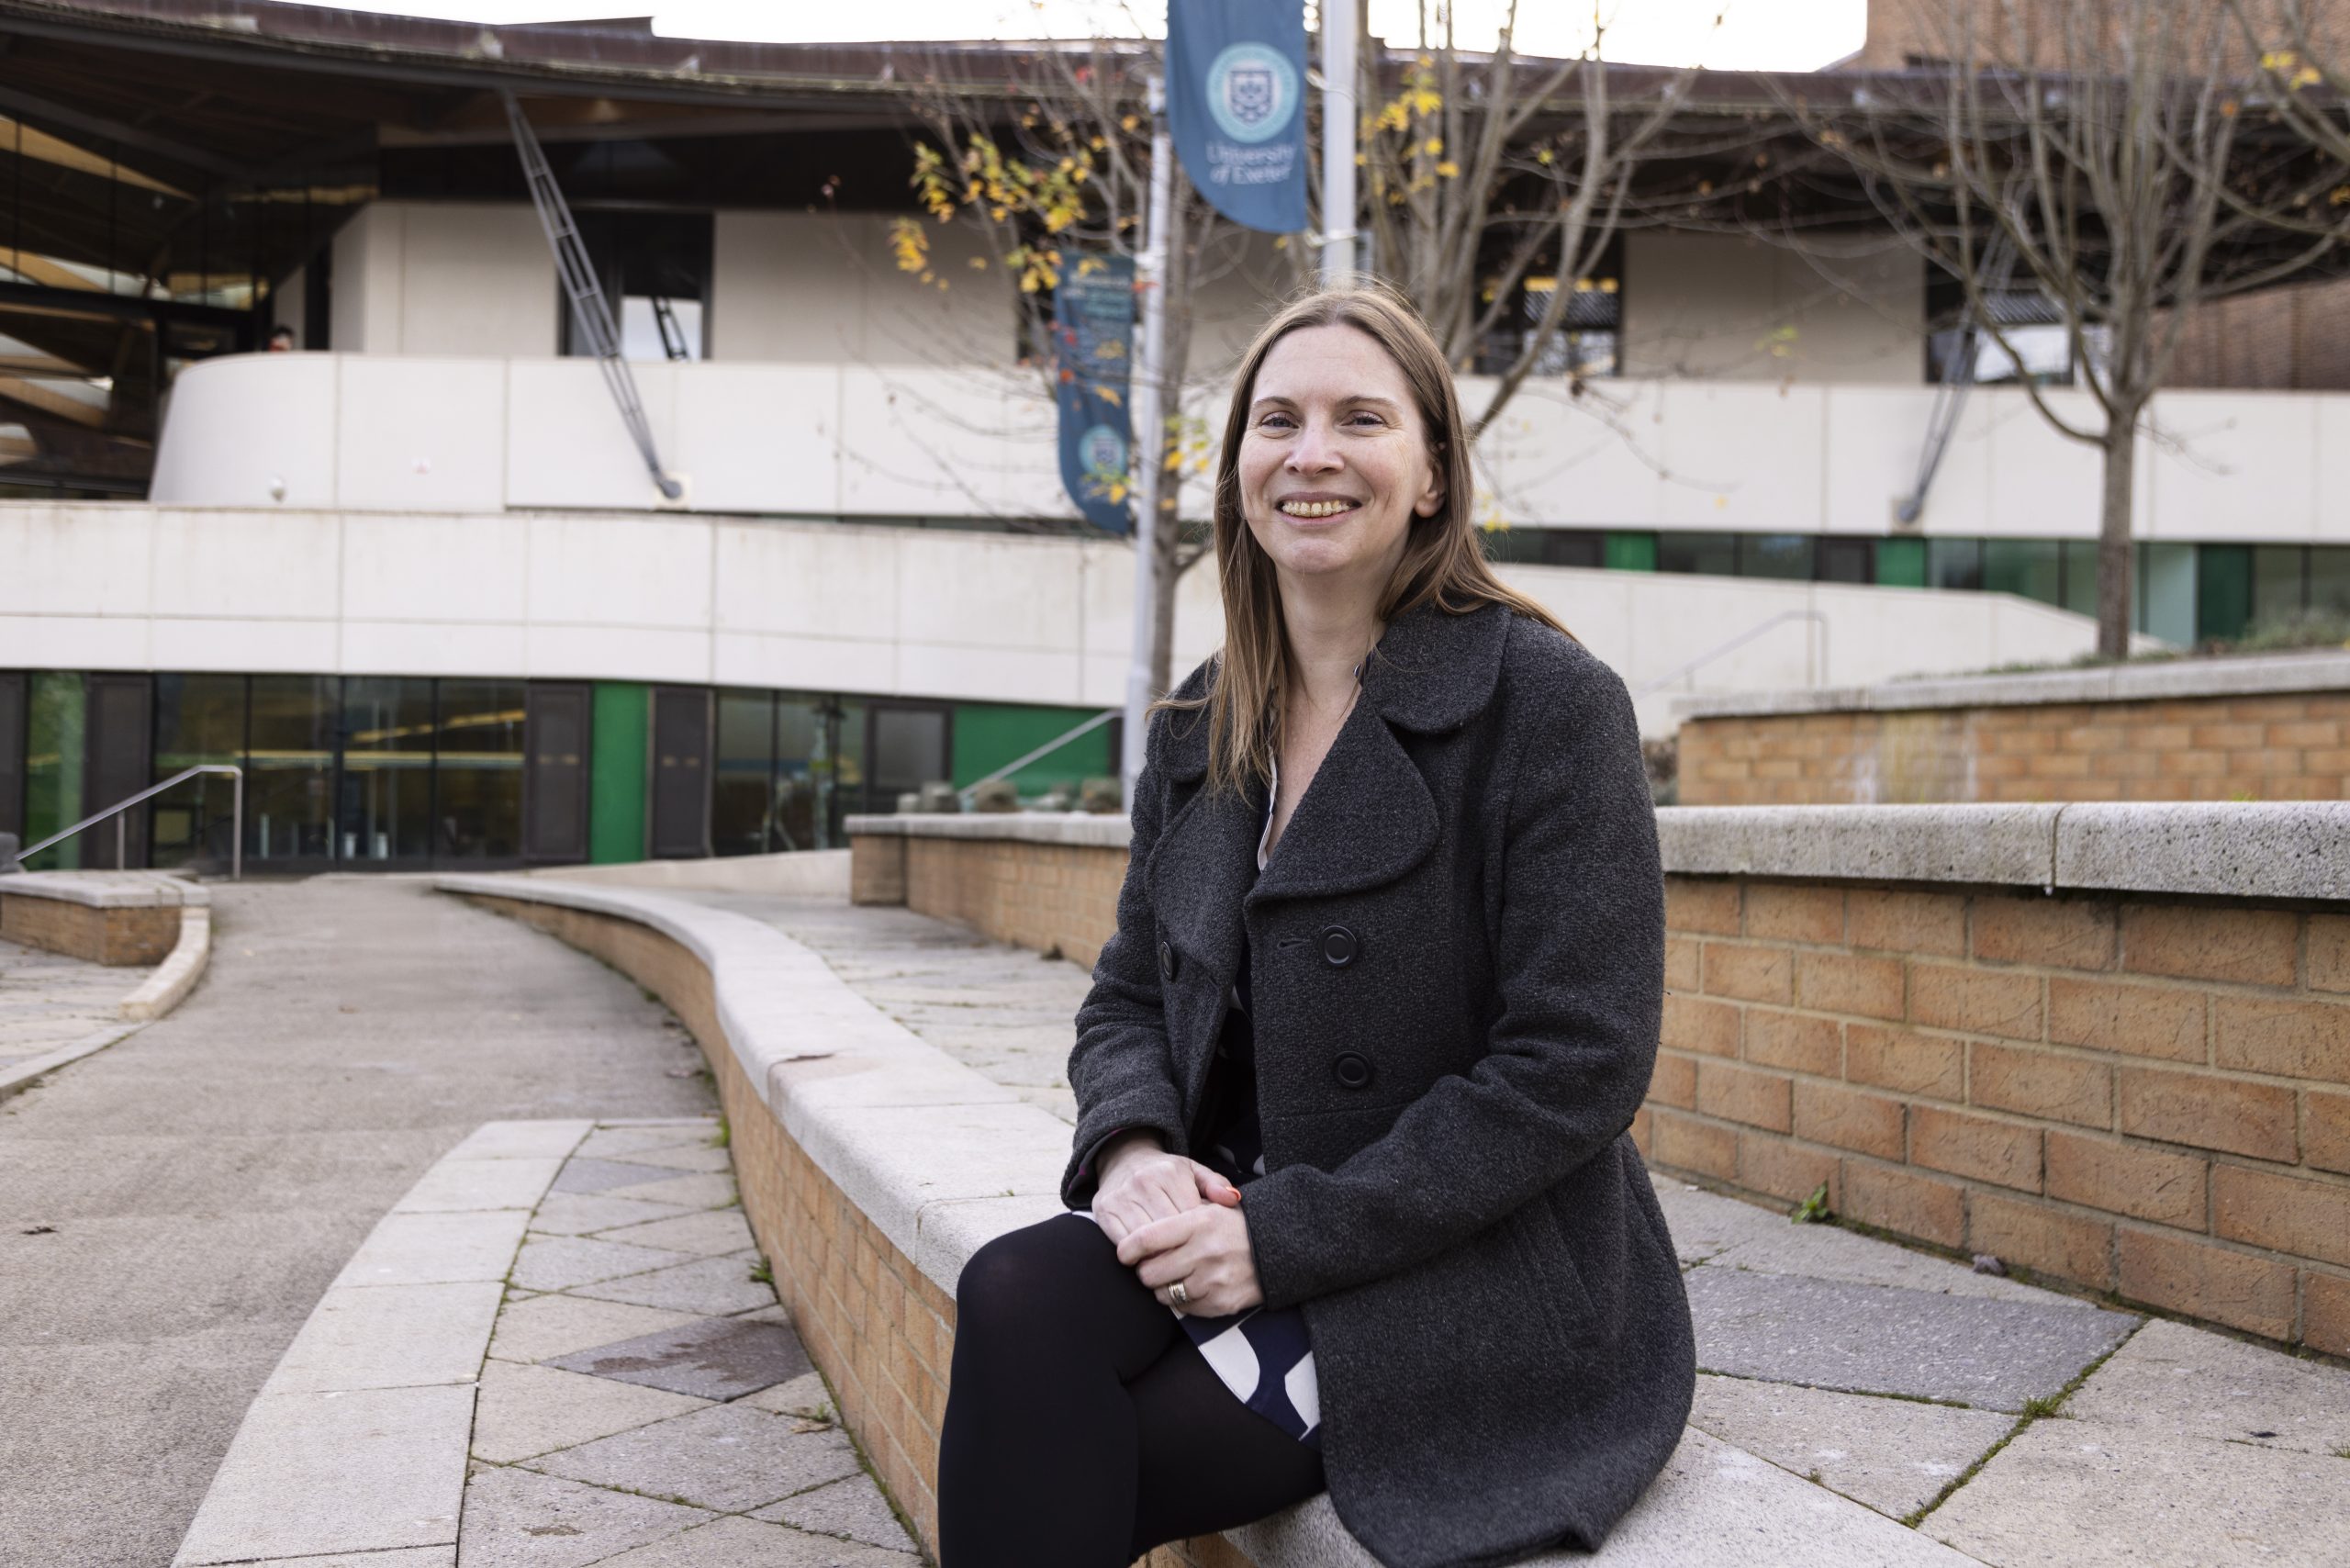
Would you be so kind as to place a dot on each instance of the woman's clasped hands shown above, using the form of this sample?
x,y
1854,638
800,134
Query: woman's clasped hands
x,y
1177,1222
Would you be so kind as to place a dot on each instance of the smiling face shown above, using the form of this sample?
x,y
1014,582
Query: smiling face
x,y
1334,461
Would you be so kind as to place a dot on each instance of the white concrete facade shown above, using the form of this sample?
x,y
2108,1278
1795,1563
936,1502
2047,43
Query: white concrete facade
x,y
370,432
857,608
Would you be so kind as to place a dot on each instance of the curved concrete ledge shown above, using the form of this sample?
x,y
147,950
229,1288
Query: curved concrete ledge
x,y
107,890
1091,830
176,975
942,1160
2233,849
2280,673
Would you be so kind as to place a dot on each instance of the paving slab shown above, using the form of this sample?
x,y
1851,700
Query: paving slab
x,y
314,1474
2074,1494
698,1155
853,1510
1713,1507
728,1457
550,1140
581,1213
747,1543
609,1142
709,1233
2192,1382
1706,1224
602,1175
803,1396
456,1185
527,1411
406,1556
389,1337
563,1262
431,1250
516,1518
548,1325
1896,1455
1829,1253
1877,1339
712,1287
712,1358
694,1190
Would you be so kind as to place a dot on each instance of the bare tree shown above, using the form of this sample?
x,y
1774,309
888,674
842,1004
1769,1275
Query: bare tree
x,y
1049,168
1487,169
2096,154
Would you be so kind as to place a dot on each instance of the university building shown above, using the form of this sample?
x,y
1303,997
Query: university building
x,y
416,578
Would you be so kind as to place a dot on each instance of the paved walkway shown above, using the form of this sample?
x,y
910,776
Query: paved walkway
x,y
172,1208
2020,1426
48,999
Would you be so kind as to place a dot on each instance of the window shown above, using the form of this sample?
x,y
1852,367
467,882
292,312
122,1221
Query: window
x,y
1715,555
1589,338
1954,562
479,760
743,792
386,788
1845,560
654,270
2031,323
1547,546
289,772
1788,555
2032,567
198,719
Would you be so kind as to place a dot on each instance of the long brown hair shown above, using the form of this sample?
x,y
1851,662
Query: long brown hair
x,y
1444,561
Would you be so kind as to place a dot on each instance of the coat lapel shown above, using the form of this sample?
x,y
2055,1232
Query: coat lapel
x,y
1366,818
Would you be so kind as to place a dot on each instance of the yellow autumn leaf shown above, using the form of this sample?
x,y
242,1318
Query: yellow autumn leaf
x,y
1426,103
1449,169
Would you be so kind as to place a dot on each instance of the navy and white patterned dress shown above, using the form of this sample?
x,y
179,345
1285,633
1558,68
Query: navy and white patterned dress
x,y
1262,1355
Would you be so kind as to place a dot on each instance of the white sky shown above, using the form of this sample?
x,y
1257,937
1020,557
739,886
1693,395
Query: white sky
x,y
1761,35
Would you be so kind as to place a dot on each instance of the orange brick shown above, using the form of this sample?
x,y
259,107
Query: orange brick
x,y
1912,1063
2325,1313
2127,1179
1850,983
1795,911
2208,1112
2192,764
1869,1123
1975,1146
2300,734
2068,933
1795,1042
2253,946
2138,1020
1707,904
1740,1094
2325,1130
1901,1201
2329,953
1932,923
1709,1028
2229,737
2292,1039
1686,1144
1681,963
2284,1213
1767,1164
2200,1280
1978,1001
1675,1082
2039,1083
1748,973
2042,1236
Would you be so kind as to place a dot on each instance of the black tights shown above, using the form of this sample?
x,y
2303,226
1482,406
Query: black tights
x,y
1082,1427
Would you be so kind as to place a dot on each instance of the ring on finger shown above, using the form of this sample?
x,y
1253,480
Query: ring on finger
x,y
1176,1296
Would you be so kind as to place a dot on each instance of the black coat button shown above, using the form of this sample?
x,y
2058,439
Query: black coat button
x,y
1168,962
1352,1071
1339,946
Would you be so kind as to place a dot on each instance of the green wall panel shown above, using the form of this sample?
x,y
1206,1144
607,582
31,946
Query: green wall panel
x,y
1630,553
616,772
2223,591
986,735
1901,563
54,744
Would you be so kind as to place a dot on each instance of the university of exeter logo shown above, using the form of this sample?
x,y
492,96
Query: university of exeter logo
x,y
1252,93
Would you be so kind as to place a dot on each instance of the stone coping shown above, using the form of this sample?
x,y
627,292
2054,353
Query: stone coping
x,y
1095,830
944,1159
107,889
2272,849
2325,670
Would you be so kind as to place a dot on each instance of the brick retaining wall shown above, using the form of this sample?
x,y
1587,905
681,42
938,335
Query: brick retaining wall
x,y
117,937
880,1331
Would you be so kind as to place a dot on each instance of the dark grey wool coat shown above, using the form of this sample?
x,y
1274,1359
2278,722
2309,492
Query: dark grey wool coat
x,y
1458,966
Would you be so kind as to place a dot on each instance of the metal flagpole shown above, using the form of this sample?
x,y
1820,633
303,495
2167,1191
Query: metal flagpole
x,y
1339,112
1148,425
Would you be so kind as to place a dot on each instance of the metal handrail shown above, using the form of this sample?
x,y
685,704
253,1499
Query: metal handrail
x,y
236,811
1016,764
1812,676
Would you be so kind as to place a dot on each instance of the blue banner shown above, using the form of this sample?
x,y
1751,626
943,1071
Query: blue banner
x,y
1093,329
1235,102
